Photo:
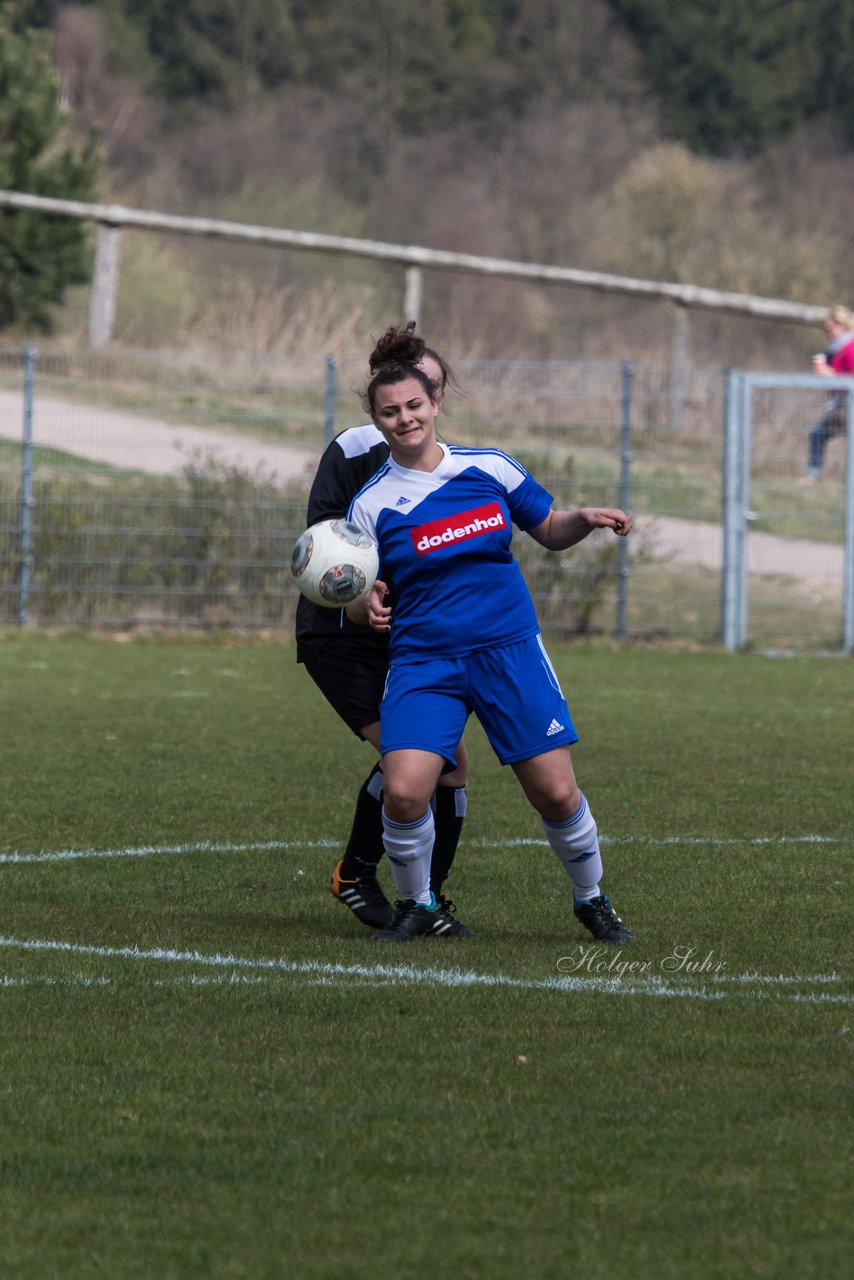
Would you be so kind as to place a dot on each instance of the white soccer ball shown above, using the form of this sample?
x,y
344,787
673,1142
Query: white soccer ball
x,y
334,563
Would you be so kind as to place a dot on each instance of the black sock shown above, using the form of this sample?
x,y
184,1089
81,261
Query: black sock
x,y
449,806
365,846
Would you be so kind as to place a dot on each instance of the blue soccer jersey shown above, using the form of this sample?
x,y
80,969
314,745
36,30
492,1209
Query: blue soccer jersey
x,y
444,542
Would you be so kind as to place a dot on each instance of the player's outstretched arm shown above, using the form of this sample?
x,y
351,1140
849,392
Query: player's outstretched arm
x,y
562,529
370,610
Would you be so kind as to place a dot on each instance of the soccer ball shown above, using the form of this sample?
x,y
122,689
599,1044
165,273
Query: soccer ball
x,y
334,563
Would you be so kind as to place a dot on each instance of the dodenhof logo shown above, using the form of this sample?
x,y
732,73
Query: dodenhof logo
x,y
458,528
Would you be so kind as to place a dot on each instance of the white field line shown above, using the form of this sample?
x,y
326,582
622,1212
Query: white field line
x,y
409,975
152,850
208,846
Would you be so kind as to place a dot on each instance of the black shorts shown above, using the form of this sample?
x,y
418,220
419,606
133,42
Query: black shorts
x,y
351,678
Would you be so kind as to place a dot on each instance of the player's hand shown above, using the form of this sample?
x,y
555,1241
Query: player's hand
x,y
608,518
379,613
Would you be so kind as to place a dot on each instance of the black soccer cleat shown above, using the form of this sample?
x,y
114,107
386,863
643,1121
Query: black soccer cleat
x,y
601,919
445,924
410,920
364,897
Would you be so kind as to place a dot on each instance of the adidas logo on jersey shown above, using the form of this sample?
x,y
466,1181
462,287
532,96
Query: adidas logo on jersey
x,y
554,727
403,502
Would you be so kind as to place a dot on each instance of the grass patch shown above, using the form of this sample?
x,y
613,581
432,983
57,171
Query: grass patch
x,y
278,413
218,1076
46,460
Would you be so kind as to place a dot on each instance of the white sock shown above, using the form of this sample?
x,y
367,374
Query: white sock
x,y
576,843
409,846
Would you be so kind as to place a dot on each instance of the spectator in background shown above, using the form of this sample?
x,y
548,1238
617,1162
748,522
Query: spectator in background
x,y
836,361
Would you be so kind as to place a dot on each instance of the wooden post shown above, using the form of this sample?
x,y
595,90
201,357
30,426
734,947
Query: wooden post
x,y
678,363
413,295
105,283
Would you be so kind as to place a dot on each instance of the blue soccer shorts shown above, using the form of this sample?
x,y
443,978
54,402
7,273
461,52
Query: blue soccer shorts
x,y
512,689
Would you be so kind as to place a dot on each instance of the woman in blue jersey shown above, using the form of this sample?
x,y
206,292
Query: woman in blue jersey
x,y
464,637
349,665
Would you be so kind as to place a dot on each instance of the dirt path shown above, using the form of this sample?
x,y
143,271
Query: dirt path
x,y
140,443
696,543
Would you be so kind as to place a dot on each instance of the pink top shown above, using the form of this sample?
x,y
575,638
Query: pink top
x,y
842,361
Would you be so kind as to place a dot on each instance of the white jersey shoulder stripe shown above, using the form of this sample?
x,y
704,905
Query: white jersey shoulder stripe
x,y
392,487
495,461
498,453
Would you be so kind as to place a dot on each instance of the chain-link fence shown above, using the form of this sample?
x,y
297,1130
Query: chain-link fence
x,y
163,489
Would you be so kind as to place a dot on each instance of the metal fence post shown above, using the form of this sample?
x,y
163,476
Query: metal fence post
x,y
26,525
628,372
745,413
733,575
329,402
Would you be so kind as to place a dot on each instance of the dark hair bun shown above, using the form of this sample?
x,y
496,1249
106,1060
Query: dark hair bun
x,y
397,346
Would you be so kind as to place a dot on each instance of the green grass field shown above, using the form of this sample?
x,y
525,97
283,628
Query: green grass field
x,y
207,1069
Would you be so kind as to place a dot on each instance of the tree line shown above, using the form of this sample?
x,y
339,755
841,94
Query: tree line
x,y
340,94
732,74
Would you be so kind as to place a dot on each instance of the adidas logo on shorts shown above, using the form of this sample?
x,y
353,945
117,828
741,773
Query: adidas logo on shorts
x,y
554,727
